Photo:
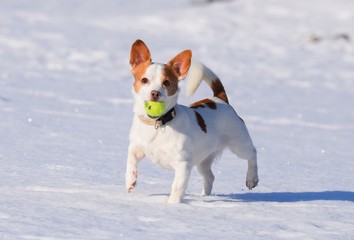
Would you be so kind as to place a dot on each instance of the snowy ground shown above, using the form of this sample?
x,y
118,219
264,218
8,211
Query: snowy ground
x,y
66,109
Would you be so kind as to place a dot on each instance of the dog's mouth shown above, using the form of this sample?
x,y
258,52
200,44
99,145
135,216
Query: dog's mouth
x,y
155,108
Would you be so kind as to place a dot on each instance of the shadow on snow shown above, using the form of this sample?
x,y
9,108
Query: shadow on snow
x,y
282,197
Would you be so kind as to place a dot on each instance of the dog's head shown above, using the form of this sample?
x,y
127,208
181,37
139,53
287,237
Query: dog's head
x,y
155,81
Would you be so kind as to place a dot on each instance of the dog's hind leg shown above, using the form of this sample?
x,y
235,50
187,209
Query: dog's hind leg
x,y
204,168
252,175
246,150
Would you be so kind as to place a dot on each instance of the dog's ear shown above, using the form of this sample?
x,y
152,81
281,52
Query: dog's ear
x,y
180,64
139,54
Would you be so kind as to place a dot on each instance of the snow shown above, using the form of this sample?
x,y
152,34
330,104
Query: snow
x,y
66,110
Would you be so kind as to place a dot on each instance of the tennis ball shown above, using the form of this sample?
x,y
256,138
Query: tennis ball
x,y
154,109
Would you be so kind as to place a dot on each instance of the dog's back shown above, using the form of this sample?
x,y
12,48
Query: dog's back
x,y
215,116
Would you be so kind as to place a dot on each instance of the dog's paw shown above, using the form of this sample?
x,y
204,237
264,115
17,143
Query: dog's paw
x,y
174,199
251,180
131,180
131,187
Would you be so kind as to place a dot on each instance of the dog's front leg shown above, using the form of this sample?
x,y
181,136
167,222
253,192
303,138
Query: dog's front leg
x,y
135,155
180,182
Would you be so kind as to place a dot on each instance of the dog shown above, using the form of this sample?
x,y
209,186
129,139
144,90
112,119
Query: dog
x,y
183,137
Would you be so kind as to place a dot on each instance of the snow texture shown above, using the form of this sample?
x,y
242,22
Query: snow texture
x,y
66,110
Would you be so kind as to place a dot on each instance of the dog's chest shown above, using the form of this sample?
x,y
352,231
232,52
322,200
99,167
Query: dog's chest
x,y
162,146
159,156
161,150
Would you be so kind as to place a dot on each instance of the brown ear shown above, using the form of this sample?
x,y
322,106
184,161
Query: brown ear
x,y
139,53
180,64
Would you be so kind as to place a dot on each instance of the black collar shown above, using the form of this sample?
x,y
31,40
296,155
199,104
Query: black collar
x,y
167,117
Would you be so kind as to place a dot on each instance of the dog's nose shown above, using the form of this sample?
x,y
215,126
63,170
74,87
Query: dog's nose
x,y
155,95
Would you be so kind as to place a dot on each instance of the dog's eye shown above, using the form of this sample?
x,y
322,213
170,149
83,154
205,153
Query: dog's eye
x,y
144,81
166,83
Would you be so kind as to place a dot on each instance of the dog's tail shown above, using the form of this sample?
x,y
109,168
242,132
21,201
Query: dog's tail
x,y
198,72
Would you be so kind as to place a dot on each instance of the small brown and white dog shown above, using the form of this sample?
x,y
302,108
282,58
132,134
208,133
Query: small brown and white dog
x,y
183,137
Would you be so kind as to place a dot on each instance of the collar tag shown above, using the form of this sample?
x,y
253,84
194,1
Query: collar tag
x,y
158,124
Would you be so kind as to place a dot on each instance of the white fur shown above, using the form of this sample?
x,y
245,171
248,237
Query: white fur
x,y
181,144
198,72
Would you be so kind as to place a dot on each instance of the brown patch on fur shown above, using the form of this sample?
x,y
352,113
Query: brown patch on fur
x,y
180,64
201,122
169,75
139,53
219,90
140,60
205,102
139,73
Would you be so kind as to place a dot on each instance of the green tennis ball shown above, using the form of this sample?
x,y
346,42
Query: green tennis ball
x,y
154,109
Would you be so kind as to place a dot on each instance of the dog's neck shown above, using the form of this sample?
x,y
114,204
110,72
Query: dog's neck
x,y
171,103
160,121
